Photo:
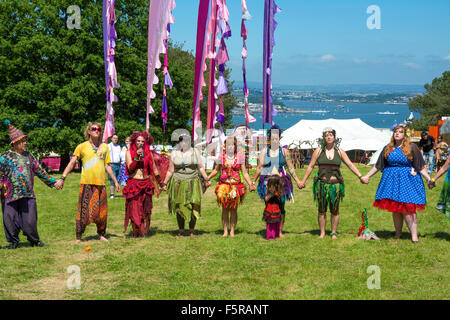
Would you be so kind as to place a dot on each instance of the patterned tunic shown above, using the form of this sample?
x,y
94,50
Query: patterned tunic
x,y
19,171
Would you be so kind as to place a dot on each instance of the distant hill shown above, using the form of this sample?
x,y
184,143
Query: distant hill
x,y
342,88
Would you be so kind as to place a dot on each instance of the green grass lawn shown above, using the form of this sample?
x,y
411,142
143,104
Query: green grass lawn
x,y
208,266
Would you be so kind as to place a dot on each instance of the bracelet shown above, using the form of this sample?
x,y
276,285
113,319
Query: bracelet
x,y
432,179
360,176
62,178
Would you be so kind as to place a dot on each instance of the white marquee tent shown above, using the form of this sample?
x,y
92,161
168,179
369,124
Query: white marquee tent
x,y
355,134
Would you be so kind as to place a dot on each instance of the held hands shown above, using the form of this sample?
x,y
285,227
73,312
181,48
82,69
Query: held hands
x,y
207,183
364,179
59,184
431,184
301,185
117,185
252,187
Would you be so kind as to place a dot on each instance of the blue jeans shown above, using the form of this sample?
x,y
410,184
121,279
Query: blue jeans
x,y
116,170
430,161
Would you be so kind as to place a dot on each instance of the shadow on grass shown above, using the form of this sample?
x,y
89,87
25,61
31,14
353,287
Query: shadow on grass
x,y
440,235
384,234
155,230
107,236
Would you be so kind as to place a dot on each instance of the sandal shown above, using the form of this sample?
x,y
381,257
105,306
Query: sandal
x,y
333,234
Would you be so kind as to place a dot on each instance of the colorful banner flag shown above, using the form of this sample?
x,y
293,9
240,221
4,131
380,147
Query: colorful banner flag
x,y
158,19
109,45
204,14
270,9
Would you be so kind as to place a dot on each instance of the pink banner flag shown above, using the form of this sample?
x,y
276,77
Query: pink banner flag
x,y
200,54
158,18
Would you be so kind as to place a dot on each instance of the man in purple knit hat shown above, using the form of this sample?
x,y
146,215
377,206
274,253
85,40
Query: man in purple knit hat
x,y
18,168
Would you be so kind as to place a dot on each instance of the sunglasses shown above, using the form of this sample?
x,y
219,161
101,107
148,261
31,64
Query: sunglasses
x,y
93,129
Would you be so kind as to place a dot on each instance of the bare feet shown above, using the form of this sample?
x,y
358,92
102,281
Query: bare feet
x,y
281,235
397,235
181,233
232,234
225,234
322,235
77,241
191,233
102,238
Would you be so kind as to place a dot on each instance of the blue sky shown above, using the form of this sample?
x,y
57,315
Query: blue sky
x,y
324,42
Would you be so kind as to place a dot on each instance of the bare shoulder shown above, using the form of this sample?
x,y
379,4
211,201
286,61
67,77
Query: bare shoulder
x,y
317,152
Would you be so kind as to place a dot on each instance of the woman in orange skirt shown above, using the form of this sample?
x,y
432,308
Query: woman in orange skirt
x,y
231,190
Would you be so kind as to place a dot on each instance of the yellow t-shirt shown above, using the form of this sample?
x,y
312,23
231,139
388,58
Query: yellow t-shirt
x,y
93,169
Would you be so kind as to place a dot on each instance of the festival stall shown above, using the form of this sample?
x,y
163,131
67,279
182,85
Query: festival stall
x,y
355,134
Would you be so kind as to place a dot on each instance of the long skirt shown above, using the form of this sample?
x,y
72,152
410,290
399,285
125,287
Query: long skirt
x,y
92,207
185,196
138,205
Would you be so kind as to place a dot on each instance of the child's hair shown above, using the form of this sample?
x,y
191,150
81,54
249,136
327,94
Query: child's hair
x,y
275,185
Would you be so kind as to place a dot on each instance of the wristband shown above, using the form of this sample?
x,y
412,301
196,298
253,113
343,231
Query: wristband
x,y
62,178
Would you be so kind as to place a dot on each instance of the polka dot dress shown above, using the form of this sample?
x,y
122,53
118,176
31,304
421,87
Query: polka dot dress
x,y
398,184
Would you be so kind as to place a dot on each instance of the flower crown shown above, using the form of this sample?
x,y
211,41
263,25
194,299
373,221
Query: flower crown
x,y
404,126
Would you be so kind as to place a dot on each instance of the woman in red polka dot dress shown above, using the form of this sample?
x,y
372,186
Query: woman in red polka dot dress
x,y
401,189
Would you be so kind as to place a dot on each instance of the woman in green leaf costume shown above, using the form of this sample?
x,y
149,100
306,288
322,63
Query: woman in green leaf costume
x,y
328,187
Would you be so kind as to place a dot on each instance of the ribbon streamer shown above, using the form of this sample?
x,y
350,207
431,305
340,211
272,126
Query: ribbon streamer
x,y
244,33
167,82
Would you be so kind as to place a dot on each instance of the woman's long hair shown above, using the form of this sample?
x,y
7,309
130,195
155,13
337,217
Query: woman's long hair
x,y
148,141
405,146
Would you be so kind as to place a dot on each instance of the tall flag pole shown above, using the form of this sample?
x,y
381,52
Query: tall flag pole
x,y
158,19
270,9
109,45
245,16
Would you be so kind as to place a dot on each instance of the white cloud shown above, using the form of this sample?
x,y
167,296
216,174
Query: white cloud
x,y
324,58
412,65
447,57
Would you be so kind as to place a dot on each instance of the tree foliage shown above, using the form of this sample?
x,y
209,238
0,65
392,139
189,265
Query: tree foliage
x,y
434,104
52,78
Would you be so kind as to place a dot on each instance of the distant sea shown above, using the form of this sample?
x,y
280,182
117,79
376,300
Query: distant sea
x,y
325,110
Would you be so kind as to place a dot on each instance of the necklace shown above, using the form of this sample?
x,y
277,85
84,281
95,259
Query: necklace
x,y
93,146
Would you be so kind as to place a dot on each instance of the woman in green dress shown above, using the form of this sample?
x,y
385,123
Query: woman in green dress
x,y
183,183
329,188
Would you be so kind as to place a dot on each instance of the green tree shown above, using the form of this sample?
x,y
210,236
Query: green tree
x,y
434,104
52,78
